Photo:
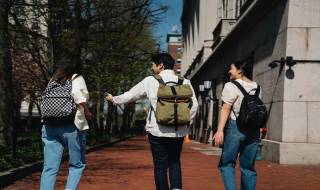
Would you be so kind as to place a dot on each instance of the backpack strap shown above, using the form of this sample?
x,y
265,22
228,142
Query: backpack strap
x,y
150,112
175,108
257,93
240,87
159,79
180,80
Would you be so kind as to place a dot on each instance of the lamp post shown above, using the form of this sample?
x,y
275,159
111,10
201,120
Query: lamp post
x,y
207,98
204,90
207,84
201,88
198,130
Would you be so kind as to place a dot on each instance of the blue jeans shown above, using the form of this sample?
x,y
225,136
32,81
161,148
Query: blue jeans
x,y
55,139
246,145
166,155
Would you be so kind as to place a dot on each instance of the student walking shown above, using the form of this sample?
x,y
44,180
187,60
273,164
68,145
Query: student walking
x,y
173,107
239,129
64,113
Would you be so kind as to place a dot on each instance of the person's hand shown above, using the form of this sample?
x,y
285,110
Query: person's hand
x,y
87,114
218,138
109,98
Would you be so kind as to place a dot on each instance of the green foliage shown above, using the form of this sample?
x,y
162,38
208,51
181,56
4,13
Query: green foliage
x,y
111,40
28,151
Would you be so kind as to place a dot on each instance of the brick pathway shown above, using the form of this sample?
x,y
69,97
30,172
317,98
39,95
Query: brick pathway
x,y
128,165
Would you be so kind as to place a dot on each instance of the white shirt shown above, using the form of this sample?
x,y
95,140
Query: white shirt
x,y
80,94
232,95
148,87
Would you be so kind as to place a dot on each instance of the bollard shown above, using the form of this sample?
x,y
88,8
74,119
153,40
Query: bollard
x,y
263,133
186,140
258,156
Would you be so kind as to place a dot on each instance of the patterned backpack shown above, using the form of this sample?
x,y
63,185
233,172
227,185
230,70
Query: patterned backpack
x,y
58,106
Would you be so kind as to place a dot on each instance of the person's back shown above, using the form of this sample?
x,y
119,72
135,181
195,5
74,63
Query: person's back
x,y
235,141
166,141
234,96
64,125
152,85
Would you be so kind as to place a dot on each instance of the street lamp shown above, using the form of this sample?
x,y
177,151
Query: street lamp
x,y
290,62
206,98
201,88
207,84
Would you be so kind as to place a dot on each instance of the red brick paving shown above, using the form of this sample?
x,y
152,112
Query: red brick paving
x,y
128,165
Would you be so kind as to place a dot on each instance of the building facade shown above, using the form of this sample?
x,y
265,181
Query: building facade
x,y
174,40
279,40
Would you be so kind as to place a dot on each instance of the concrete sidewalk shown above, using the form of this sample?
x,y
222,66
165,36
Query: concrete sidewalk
x,y
128,165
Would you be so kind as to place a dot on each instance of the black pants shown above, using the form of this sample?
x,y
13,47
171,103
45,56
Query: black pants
x,y
166,155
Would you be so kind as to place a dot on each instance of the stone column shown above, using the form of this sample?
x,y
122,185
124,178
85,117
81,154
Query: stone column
x,y
298,138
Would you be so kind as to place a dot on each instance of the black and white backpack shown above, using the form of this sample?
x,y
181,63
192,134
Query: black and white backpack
x,y
58,106
253,113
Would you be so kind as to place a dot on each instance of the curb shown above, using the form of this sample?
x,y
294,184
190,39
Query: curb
x,y
10,176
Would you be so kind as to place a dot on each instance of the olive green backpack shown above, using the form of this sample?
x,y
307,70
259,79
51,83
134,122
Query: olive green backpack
x,y
174,103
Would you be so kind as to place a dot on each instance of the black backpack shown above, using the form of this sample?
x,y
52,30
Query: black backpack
x,y
253,113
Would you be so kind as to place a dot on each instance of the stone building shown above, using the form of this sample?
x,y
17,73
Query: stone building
x,y
279,40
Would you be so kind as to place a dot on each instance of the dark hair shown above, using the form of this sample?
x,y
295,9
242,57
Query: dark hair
x,y
164,58
67,67
241,66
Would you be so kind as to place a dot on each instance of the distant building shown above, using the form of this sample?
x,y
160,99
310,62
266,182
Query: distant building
x,y
174,41
259,33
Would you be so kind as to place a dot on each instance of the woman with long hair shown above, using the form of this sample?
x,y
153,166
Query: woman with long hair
x,y
235,141
64,114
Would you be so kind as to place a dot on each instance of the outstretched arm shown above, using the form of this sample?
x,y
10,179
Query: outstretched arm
x,y
135,93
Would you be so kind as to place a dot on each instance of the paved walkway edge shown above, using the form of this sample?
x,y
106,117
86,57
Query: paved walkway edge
x,y
10,176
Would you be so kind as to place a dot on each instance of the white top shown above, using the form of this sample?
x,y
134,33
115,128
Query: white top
x,y
80,94
148,87
232,95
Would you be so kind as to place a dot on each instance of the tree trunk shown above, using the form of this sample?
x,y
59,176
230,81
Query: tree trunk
x,y
6,100
30,114
98,114
116,121
125,116
56,25
52,35
109,118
